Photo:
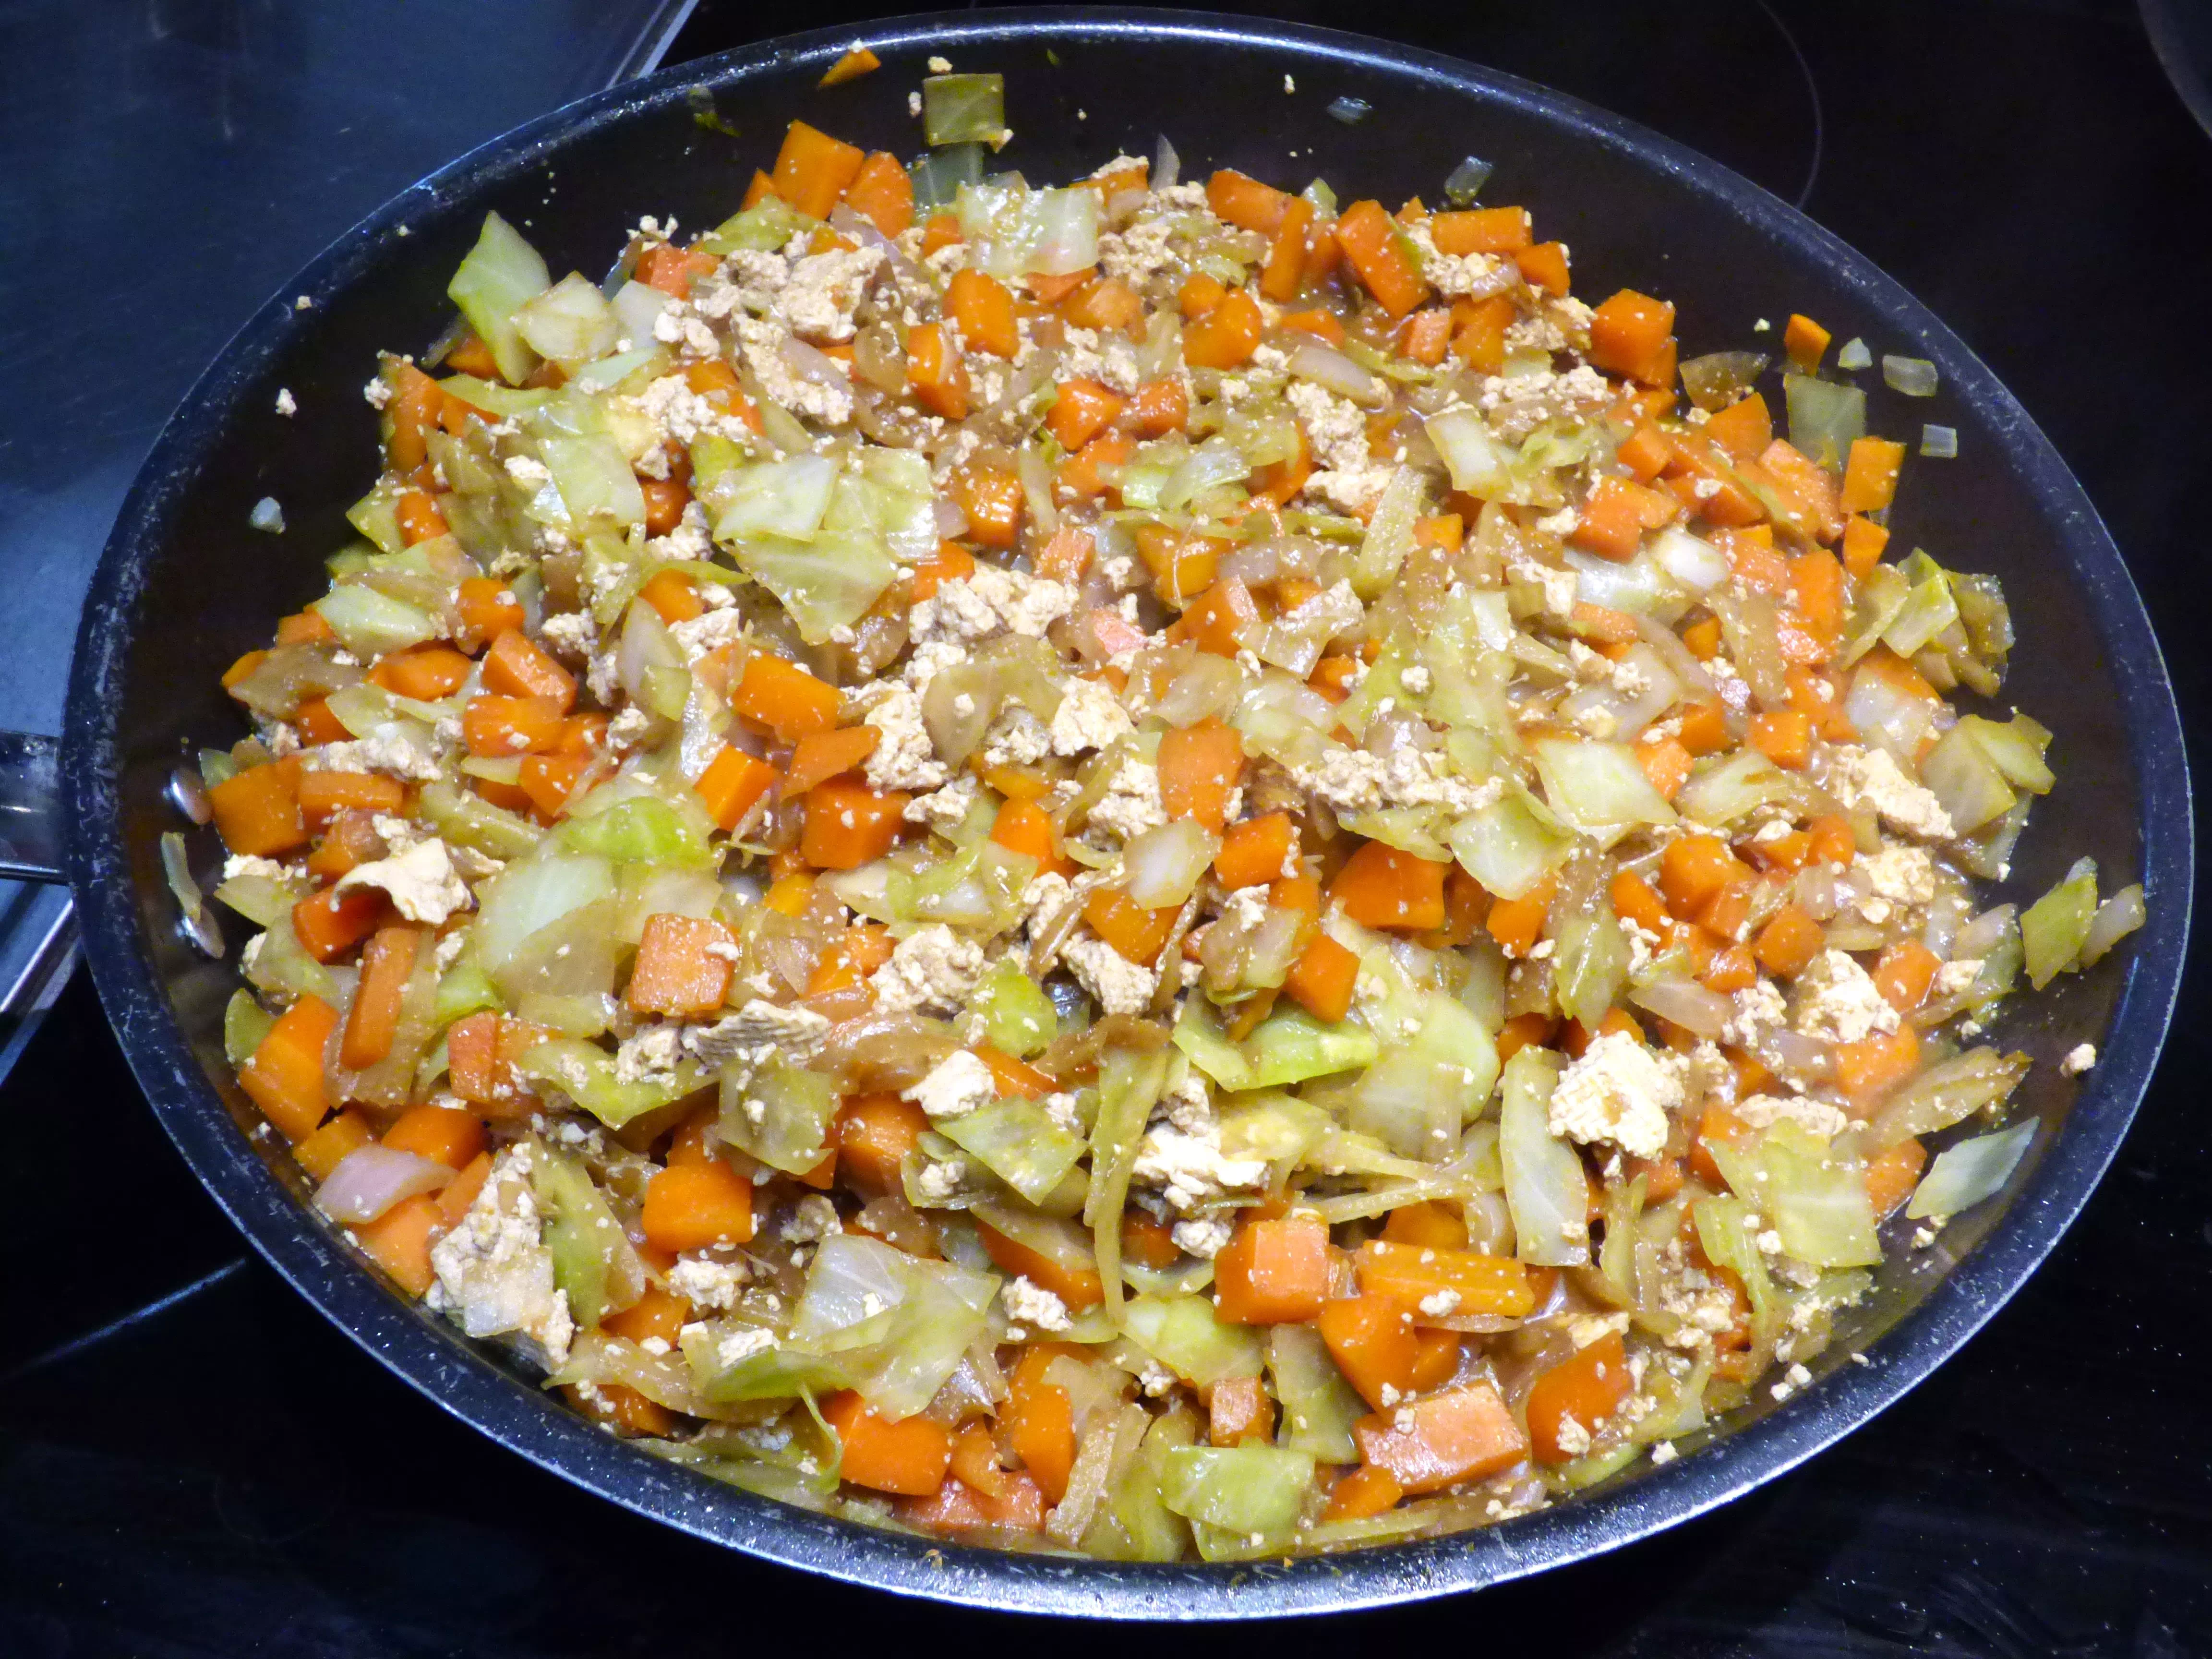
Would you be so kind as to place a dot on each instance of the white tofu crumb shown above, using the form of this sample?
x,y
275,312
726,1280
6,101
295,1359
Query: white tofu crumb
x,y
286,403
1838,1001
1762,1110
958,1084
1090,716
1116,984
1664,1452
1032,1304
933,969
1189,1170
496,1275
706,1283
2079,1058
1132,802
423,884
1619,1091
1869,779
902,758
792,1034
1204,1236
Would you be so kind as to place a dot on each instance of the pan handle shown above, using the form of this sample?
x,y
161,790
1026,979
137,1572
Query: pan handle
x,y
38,924
30,808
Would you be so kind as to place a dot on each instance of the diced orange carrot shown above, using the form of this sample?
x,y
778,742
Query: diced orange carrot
x,y
1023,826
1545,266
1743,428
883,194
1479,332
443,1134
872,1134
1368,238
323,794
935,372
419,518
425,672
982,309
386,963
784,697
851,66
1423,335
1081,410
1784,737
1863,541
1462,1435
1892,1176
1040,1423
1693,868
1238,1409
488,609
399,1240
1314,321
1368,1490
1252,852
1104,303
1666,762
1383,886
1410,1273
1523,1031
1634,901
1066,555
847,824
1482,230
1226,337
323,1150
1133,930
990,497
284,1077
813,169
694,1206
1805,342
257,811
905,1455
1868,1070
1588,1386
732,782
1517,923
1805,488
517,666
1246,203
673,596
1198,769
1832,840
1904,974
1788,943
1633,334
820,756
1870,476
415,406
673,270
1616,512
330,923
1645,452
1321,982
1285,272
1147,1243
500,725
317,725
1273,1273
1013,1078
683,968
1432,1225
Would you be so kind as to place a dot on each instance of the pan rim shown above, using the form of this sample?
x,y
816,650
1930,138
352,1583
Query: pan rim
x,y
465,1383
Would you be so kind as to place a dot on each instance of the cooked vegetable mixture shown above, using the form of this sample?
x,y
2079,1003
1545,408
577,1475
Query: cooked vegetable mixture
x,y
1145,868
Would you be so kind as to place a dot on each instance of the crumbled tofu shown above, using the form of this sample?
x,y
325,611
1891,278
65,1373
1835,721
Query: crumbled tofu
x,y
1439,1304
1137,253
944,810
2079,1058
1116,984
1903,875
1618,1092
706,632
1664,1452
1759,1009
761,340
1352,781
1869,779
286,403
817,300
902,758
679,414
989,602
650,1055
1130,805
735,1347
496,1275
759,1032
1016,738
1823,1120
1335,428
1474,276
813,1219
398,747
629,728
1032,1304
1190,1170
1838,1001
1573,1437
1205,1236
571,635
421,879
1189,1102
1954,977
1516,405
249,863
1090,716
932,970
956,1085
708,1284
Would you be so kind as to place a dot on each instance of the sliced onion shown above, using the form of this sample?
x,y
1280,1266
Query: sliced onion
x,y
2115,918
1691,1005
1166,863
1334,372
370,1179
809,364
1207,686
1916,377
646,644
1167,166
1691,561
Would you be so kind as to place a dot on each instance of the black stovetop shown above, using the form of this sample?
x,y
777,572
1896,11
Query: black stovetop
x,y
192,1463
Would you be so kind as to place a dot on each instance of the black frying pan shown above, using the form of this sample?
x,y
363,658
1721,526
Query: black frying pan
x,y
185,587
